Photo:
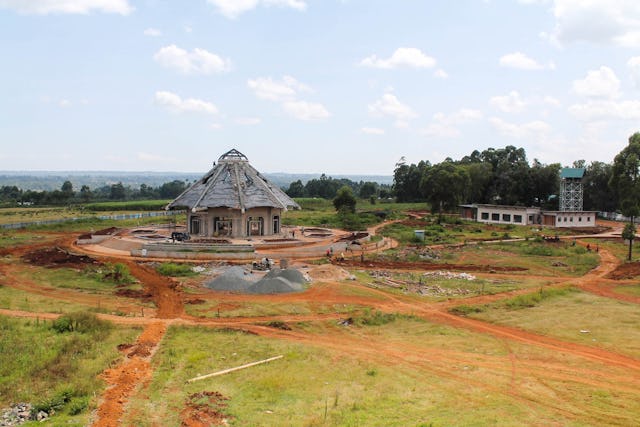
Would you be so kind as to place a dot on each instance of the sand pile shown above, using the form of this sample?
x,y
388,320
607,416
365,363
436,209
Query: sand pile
x,y
328,272
276,281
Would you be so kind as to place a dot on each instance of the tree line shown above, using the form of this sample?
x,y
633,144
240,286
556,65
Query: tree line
x,y
67,194
500,176
327,187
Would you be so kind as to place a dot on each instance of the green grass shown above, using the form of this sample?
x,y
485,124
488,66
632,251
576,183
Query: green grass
x,y
176,270
57,369
15,299
20,237
432,379
633,290
321,213
257,308
610,324
134,205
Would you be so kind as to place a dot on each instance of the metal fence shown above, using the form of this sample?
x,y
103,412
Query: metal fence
x,y
119,217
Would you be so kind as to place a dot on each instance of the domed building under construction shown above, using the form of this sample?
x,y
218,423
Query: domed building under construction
x,y
233,200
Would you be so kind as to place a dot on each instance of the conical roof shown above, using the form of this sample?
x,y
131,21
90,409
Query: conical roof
x,y
233,183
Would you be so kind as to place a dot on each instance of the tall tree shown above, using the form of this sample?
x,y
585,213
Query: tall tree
x,y
296,189
625,181
443,186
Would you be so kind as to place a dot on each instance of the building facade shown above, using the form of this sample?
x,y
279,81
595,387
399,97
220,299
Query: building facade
x,y
233,200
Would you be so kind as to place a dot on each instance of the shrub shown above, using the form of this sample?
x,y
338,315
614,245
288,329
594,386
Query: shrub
x,y
175,270
82,322
77,405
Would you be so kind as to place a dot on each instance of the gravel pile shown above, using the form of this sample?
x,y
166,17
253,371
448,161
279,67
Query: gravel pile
x,y
276,281
234,279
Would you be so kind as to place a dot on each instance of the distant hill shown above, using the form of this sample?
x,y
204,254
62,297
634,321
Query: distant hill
x,y
53,180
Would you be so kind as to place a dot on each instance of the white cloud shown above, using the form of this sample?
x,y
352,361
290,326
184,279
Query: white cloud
x,y
440,73
285,92
152,32
601,83
304,110
372,131
248,121
602,22
64,103
634,66
198,61
273,90
234,8
597,110
215,126
522,62
176,104
390,105
82,7
535,128
403,57
446,125
511,103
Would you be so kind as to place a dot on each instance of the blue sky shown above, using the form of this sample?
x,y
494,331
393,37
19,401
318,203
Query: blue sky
x,y
313,86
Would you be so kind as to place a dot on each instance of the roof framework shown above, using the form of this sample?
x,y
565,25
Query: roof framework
x,y
233,183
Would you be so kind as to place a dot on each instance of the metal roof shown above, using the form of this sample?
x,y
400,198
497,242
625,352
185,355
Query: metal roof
x,y
572,173
233,183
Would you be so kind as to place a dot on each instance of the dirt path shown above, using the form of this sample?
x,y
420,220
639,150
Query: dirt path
x,y
603,369
127,376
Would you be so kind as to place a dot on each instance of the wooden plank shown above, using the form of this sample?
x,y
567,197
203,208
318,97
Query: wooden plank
x,y
237,368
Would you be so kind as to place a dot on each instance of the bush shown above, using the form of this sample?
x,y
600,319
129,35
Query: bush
x,y
53,403
84,323
77,405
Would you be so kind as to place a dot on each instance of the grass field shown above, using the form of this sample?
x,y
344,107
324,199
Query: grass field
x,y
56,369
571,316
413,373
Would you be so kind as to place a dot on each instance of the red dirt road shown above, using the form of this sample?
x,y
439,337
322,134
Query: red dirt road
x,y
603,369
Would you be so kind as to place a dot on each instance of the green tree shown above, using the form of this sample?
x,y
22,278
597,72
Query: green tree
x,y
170,190
345,202
625,181
443,185
296,189
368,189
118,192
85,193
67,190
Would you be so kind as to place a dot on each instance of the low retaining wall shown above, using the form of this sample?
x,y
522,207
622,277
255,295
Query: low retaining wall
x,y
195,251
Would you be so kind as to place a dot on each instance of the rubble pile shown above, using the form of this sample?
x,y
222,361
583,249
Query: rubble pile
x,y
20,413
449,275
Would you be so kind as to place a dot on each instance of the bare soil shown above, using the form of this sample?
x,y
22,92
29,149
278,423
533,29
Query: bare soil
x,y
615,373
58,257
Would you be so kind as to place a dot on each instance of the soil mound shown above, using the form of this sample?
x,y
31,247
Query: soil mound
x,y
57,257
627,270
328,272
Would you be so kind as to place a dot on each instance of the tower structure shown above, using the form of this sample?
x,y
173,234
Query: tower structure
x,y
571,189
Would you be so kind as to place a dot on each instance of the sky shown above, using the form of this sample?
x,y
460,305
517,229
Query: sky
x,y
313,86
